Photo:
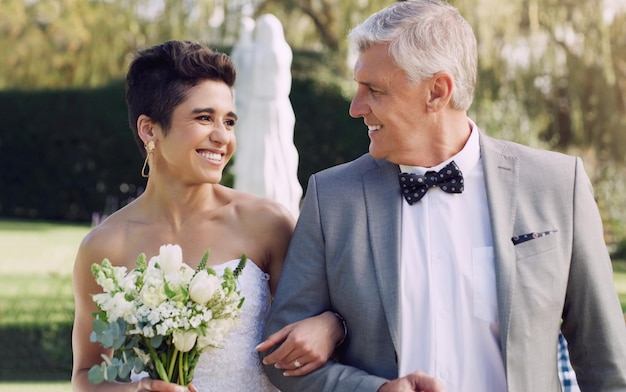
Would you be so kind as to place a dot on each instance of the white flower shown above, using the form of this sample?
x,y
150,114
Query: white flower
x,y
148,332
216,331
116,306
152,295
108,284
165,299
170,259
186,274
184,340
203,286
120,273
129,283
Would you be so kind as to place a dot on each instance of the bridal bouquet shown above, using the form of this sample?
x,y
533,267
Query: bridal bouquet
x,y
160,316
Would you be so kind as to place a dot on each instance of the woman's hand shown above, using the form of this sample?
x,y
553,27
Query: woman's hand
x,y
148,385
304,345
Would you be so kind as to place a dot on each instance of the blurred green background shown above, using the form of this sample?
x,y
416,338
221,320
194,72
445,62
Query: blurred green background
x,y
552,74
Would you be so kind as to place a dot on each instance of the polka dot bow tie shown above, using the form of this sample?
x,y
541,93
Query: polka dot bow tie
x,y
414,186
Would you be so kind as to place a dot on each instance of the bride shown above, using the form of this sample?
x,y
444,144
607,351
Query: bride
x,y
180,104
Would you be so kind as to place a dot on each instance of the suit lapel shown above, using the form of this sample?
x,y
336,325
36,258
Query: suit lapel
x,y
501,179
383,211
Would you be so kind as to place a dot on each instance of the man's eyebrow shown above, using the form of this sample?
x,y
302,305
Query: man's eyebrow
x,y
366,84
212,111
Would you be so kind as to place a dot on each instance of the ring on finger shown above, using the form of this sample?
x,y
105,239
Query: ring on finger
x,y
297,363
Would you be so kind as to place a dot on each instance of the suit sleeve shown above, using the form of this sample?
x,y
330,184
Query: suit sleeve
x,y
592,319
303,292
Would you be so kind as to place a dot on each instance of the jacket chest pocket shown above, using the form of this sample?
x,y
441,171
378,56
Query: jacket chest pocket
x,y
537,266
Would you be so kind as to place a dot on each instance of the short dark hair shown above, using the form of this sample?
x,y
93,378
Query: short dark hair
x,y
160,77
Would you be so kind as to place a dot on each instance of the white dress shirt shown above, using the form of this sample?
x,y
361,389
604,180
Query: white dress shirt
x,y
449,325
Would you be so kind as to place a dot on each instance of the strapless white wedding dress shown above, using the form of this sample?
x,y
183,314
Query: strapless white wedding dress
x,y
236,367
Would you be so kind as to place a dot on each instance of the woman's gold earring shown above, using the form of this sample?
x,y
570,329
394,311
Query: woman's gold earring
x,y
149,148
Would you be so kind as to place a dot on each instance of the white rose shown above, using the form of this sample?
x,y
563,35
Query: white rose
x,y
184,340
203,286
152,296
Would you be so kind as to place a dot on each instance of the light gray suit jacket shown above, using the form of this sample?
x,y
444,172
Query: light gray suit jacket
x,y
345,253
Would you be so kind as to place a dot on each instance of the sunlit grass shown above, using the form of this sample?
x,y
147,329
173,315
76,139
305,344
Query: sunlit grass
x,y
47,386
38,247
36,299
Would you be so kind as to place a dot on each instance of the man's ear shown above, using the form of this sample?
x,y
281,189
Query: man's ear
x,y
441,86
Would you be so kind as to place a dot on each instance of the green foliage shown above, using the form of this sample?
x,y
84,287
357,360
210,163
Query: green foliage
x,y
325,135
36,312
619,274
619,251
240,266
109,334
552,74
203,262
88,43
78,151
112,335
66,154
36,352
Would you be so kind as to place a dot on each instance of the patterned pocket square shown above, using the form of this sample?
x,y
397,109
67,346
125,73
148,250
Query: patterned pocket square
x,y
530,236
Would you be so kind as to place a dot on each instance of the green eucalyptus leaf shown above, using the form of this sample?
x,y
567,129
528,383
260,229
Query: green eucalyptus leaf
x,y
99,326
110,373
137,365
156,341
96,374
124,370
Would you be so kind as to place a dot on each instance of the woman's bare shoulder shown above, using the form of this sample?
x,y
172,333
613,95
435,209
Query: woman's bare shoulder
x,y
262,212
106,240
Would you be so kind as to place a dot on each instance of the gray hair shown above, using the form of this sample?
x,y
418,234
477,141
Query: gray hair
x,y
425,37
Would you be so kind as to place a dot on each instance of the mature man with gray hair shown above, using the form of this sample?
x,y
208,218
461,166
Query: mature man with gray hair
x,y
456,259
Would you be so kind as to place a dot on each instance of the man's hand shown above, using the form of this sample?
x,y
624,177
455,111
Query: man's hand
x,y
414,382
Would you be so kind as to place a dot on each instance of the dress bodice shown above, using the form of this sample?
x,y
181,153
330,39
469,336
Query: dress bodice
x,y
237,366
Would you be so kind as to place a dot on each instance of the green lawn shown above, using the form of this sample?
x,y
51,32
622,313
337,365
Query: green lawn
x,y
38,247
35,275
35,271
56,386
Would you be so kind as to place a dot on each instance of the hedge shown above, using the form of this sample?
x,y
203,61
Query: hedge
x,y
67,154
